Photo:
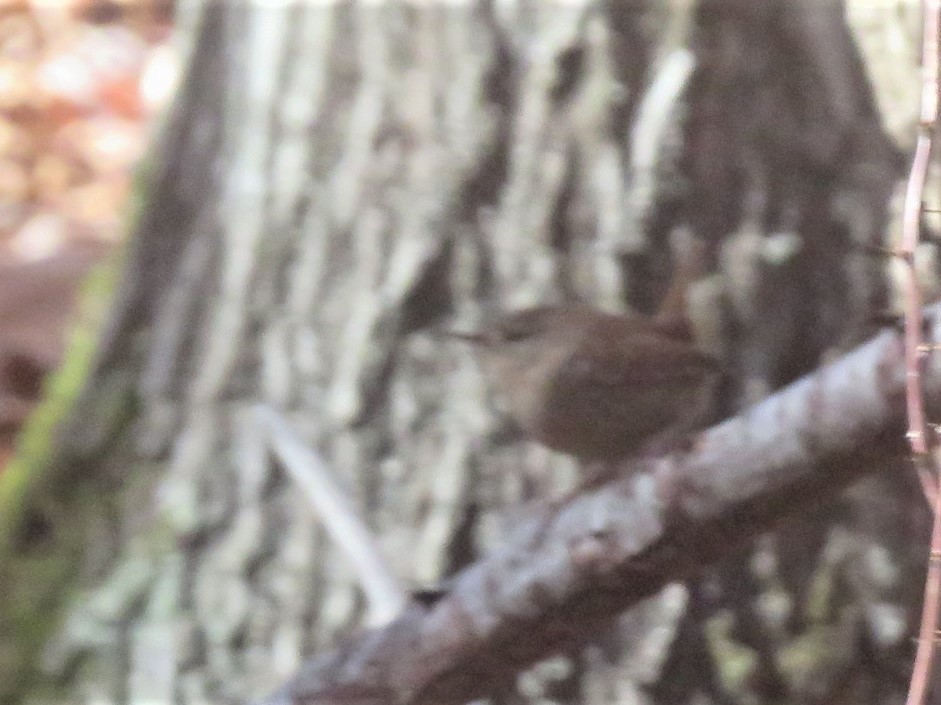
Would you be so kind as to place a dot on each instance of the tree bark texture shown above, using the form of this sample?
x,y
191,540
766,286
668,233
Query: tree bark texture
x,y
339,182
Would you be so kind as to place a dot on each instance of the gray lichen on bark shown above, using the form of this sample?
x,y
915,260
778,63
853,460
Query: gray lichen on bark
x,y
336,184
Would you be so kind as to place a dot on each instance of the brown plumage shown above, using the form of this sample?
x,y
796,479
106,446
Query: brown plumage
x,y
595,385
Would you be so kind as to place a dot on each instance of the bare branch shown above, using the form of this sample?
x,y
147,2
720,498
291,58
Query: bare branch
x,y
570,571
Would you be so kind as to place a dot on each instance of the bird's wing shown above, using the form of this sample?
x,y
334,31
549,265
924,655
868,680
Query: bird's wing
x,y
647,359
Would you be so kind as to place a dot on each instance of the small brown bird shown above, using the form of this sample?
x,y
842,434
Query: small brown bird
x,y
595,385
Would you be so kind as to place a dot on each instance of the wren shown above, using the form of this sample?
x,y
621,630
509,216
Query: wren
x,y
595,385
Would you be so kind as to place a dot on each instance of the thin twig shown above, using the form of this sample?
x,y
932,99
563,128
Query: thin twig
x,y
923,445
929,614
915,349
383,593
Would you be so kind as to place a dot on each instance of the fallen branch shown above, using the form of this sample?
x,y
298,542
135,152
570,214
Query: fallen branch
x,y
569,572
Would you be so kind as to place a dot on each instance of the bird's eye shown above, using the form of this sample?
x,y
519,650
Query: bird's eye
x,y
520,330
514,335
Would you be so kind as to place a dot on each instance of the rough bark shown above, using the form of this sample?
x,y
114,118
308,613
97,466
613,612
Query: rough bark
x,y
338,181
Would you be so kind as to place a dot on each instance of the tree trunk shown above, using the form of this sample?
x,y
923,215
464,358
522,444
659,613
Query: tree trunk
x,y
336,184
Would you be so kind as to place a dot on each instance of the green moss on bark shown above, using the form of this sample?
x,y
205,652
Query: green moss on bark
x,y
43,505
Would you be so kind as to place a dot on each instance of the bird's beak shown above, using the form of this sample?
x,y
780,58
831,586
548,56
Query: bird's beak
x,y
466,336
